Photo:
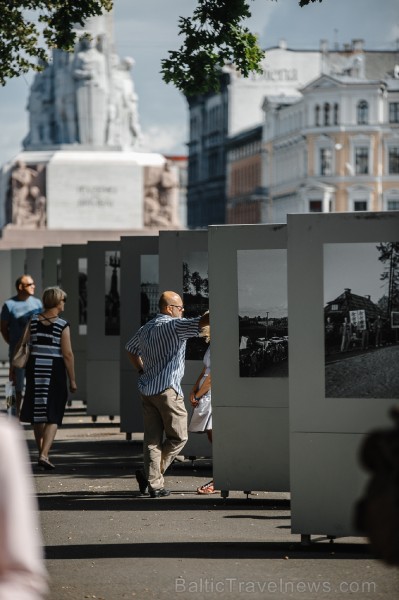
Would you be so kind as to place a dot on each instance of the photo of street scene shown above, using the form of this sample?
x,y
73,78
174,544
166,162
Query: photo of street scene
x,y
149,286
112,292
361,304
82,270
195,298
263,313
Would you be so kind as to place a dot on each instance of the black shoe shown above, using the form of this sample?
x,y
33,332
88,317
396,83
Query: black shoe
x,y
161,493
142,481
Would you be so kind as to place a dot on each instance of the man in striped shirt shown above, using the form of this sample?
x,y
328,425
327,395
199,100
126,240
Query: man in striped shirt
x,y
157,351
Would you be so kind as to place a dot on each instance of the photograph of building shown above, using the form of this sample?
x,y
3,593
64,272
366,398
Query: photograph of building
x,y
358,321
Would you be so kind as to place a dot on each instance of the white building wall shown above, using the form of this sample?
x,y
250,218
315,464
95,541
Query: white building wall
x,y
285,71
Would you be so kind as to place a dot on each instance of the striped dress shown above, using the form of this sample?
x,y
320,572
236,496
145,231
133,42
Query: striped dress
x,y
46,391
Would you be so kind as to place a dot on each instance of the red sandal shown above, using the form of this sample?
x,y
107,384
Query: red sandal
x,y
207,488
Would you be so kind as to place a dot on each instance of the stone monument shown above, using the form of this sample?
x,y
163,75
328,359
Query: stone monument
x,y
82,166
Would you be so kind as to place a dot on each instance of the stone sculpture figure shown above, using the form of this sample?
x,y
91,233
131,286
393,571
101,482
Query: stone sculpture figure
x,y
40,109
130,123
39,208
114,125
90,74
160,198
64,98
168,193
21,181
123,128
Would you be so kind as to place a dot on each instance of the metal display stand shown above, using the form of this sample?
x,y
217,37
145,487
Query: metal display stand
x,y
72,256
51,266
250,412
325,432
132,251
103,328
175,247
34,266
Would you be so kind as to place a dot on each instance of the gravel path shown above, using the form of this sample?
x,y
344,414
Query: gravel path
x,y
370,375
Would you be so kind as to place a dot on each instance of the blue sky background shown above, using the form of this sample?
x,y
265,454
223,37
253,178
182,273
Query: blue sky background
x,y
147,29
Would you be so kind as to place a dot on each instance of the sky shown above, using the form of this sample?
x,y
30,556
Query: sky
x,y
147,29
262,283
354,266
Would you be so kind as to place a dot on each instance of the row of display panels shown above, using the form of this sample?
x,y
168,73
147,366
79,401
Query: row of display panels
x,y
304,344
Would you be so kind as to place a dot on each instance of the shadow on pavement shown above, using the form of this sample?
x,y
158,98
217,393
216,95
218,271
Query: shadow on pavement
x,y
210,550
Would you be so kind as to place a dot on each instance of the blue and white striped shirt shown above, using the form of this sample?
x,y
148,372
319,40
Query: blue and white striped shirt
x,y
161,344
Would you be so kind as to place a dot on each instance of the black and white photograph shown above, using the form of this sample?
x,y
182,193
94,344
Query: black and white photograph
x,y
361,299
112,292
263,313
149,287
82,270
195,297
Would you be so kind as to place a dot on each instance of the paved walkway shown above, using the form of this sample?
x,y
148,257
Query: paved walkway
x,y
102,540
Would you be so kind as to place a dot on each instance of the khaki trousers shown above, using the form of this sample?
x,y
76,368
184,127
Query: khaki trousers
x,y
162,413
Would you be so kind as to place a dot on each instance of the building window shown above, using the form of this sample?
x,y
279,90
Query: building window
x,y
317,115
359,205
334,307
393,160
315,206
394,112
362,113
213,163
393,205
193,168
326,114
362,160
325,161
336,114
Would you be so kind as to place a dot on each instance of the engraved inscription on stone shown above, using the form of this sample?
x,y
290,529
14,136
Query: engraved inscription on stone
x,y
96,196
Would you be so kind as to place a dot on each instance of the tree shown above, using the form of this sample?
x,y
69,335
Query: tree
x,y
389,256
213,36
23,22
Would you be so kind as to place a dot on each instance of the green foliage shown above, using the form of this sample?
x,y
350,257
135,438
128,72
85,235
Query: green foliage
x,y
306,2
23,22
214,37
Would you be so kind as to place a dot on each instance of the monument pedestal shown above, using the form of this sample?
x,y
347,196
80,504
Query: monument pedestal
x,y
71,190
97,190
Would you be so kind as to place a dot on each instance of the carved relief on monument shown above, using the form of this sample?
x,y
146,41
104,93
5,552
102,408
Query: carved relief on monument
x,y
161,189
26,198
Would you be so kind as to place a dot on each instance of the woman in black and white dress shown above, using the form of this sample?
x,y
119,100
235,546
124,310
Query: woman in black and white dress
x,y
200,398
51,360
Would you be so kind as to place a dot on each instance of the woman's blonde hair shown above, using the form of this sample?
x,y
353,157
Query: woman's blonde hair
x,y
52,296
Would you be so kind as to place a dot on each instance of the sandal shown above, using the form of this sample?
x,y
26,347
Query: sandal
x,y
207,488
45,463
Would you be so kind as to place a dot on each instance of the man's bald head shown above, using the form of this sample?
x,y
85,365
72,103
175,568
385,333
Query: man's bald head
x,y
169,300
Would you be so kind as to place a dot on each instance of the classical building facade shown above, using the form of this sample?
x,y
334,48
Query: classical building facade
x,y
293,84
336,149
246,197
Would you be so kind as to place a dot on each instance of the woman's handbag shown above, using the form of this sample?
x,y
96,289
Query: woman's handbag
x,y
22,349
